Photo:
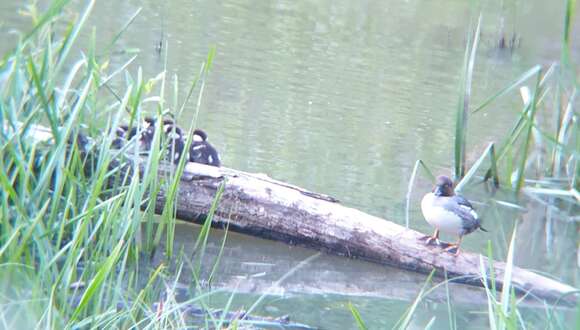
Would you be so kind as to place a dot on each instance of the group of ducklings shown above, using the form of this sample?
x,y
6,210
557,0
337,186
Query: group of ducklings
x,y
442,208
200,150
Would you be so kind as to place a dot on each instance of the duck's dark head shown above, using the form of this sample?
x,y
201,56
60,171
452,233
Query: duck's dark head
x,y
444,186
148,122
168,121
199,135
121,131
172,131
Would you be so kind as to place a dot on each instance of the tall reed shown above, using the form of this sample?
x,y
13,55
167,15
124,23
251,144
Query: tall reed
x,y
71,238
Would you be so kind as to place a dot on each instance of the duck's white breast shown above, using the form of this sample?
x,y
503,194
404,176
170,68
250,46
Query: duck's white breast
x,y
439,217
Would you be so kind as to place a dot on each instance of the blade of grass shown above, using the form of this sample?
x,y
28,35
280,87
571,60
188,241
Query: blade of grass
x,y
520,176
404,322
507,278
358,319
97,281
463,104
468,176
512,86
121,31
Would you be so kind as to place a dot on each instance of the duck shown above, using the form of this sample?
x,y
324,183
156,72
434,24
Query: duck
x,y
122,135
173,137
175,141
449,213
119,139
147,133
201,151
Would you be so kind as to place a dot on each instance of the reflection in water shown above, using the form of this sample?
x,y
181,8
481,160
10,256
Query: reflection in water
x,y
318,291
342,98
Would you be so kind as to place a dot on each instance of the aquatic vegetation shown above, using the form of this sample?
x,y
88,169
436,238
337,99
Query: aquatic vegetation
x,y
539,156
76,232
72,246
547,125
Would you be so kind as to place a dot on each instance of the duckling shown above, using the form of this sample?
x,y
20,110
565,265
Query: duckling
x,y
119,139
175,141
202,151
450,213
122,135
173,134
147,133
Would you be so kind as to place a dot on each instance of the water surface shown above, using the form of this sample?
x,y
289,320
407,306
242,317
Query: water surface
x,y
342,98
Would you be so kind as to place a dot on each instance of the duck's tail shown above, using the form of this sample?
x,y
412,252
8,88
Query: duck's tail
x,y
480,227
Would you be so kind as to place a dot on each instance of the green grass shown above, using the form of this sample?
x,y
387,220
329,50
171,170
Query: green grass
x,y
545,124
72,241
540,155
75,230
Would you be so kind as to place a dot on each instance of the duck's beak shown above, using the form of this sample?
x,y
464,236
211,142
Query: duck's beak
x,y
438,191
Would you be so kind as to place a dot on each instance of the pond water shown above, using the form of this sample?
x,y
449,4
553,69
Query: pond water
x,y
342,98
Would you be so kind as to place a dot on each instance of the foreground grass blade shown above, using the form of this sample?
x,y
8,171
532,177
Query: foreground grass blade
x,y
358,319
404,322
98,280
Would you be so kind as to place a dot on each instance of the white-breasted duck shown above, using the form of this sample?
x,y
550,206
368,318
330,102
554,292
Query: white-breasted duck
x,y
202,151
449,213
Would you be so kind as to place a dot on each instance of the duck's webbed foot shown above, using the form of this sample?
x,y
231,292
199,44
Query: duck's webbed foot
x,y
454,248
431,240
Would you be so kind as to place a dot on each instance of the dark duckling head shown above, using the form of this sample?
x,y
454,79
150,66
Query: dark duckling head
x,y
443,186
149,122
201,151
122,135
175,141
119,139
199,135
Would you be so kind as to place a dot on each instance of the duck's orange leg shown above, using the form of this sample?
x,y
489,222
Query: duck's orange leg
x,y
455,246
435,238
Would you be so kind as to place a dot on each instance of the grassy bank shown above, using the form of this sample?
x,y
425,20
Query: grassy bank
x,y
76,231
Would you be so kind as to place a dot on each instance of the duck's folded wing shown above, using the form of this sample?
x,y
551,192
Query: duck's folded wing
x,y
462,201
463,208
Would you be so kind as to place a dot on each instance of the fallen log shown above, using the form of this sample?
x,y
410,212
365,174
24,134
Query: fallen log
x,y
260,206
257,205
